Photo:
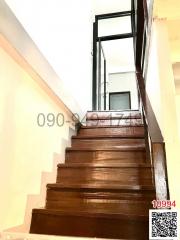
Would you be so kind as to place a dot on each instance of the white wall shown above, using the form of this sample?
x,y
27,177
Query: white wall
x,y
62,31
122,82
29,153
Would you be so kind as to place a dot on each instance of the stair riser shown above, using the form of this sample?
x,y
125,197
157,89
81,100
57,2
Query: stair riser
x,y
110,115
94,205
58,195
122,176
109,202
89,227
105,157
123,131
106,143
113,122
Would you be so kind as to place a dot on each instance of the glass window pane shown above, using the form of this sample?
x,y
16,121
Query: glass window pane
x,y
113,26
119,101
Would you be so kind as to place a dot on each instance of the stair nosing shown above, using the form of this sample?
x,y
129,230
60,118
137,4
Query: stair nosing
x,y
123,149
102,187
114,118
104,165
112,126
89,214
140,136
125,110
143,201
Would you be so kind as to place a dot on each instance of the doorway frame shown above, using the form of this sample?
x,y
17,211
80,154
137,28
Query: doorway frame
x,y
97,39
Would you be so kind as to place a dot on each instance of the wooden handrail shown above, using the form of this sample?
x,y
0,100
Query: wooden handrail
x,y
154,138
155,145
152,124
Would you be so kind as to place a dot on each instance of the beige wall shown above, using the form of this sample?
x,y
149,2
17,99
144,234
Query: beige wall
x,y
178,112
161,90
29,153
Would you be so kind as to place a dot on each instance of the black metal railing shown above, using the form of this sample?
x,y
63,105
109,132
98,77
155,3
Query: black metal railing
x,y
101,77
97,47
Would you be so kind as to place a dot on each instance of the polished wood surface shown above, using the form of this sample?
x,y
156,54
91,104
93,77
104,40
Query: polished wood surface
x,y
104,188
87,224
56,192
114,122
95,115
103,143
137,131
105,156
105,173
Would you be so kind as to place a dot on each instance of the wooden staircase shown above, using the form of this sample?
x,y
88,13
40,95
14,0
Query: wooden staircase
x,y
105,187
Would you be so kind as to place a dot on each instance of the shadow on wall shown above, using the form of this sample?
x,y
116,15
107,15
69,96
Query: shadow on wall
x,y
176,71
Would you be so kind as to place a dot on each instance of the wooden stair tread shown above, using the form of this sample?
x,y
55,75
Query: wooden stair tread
x,y
101,186
114,122
140,147
123,176
104,156
105,187
58,194
104,165
112,126
91,213
120,206
109,136
110,161
101,115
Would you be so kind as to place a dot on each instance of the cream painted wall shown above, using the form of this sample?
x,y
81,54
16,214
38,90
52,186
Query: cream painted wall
x,y
178,111
161,90
28,152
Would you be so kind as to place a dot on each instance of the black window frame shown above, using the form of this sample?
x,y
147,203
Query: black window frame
x,y
114,93
130,13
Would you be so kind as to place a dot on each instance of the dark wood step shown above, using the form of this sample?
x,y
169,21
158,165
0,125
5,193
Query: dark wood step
x,y
68,193
114,122
88,224
104,156
86,173
103,143
101,205
104,165
94,115
104,186
112,131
